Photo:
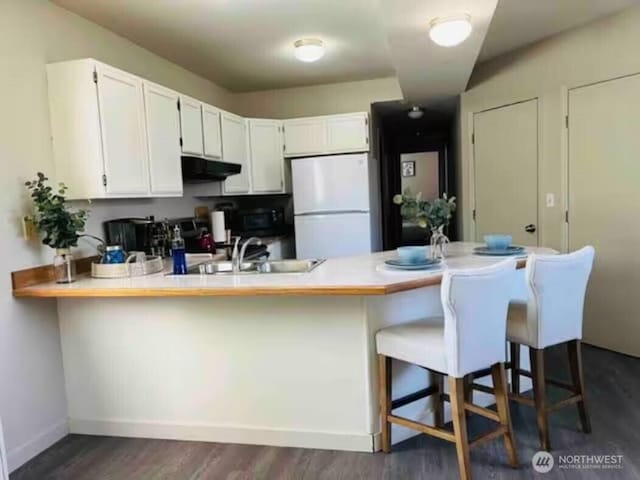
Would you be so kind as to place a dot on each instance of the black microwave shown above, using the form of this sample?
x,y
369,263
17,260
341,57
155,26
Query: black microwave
x,y
260,222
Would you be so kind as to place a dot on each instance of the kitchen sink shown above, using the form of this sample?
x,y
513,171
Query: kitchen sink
x,y
256,268
288,266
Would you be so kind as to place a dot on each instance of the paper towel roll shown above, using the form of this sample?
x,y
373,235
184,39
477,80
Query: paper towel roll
x,y
218,228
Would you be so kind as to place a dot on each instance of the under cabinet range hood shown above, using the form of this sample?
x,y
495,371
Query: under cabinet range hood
x,y
200,170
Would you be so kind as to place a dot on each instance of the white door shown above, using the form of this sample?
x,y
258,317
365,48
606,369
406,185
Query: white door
x,y
235,150
124,139
163,133
305,136
191,126
211,131
267,162
348,133
506,172
333,235
330,184
604,200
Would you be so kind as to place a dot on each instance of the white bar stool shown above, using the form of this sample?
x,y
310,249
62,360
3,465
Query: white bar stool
x,y
552,315
470,337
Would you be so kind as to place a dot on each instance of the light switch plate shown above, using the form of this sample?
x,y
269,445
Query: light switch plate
x,y
551,200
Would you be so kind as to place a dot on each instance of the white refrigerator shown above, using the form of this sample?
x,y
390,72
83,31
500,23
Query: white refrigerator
x,y
332,206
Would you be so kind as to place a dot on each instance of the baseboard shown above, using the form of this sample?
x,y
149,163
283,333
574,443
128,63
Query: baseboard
x,y
225,434
23,453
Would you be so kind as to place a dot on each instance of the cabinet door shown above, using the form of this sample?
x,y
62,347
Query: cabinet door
x,y
235,150
267,162
305,136
347,133
123,132
211,131
191,126
163,134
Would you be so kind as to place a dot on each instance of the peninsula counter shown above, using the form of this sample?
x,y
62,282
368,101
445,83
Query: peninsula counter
x,y
272,359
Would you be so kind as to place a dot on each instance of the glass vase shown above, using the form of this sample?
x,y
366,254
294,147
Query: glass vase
x,y
438,243
64,266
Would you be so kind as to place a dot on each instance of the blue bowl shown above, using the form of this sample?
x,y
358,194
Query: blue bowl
x,y
412,254
498,242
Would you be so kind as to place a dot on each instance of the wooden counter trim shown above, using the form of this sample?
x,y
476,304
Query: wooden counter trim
x,y
349,290
44,273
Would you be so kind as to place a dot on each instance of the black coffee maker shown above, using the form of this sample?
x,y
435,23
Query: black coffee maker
x,y
138,234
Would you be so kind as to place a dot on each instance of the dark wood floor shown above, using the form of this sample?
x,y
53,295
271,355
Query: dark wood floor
x,y
613,384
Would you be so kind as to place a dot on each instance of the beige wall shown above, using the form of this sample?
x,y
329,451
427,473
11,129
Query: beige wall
x,y
601,50
33,33
317,100
425,180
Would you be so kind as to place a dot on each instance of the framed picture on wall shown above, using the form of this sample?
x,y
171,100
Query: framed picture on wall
x,y
409,168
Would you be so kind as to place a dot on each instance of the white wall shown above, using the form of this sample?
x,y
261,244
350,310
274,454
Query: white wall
x,y
318,99
33,33
604,49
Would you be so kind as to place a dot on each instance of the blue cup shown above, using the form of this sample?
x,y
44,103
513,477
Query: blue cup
x,y
412,254
498,241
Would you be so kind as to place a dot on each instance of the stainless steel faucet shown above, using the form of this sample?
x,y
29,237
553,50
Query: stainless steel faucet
x,y
237,258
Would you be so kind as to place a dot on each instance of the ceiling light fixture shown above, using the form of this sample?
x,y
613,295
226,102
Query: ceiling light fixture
x,y
415,113
309,49
450,31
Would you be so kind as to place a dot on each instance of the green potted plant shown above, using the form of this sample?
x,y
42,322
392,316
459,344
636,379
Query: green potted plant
x,y
59,226
433,214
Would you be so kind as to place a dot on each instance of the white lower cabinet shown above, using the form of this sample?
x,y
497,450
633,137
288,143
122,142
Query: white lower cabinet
x,y
267,161
163,133
235,150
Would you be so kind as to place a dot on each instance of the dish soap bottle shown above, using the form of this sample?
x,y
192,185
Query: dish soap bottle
x,y
178,253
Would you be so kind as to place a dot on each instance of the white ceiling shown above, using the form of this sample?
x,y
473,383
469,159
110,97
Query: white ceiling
x,y
247,45
428,73
517,23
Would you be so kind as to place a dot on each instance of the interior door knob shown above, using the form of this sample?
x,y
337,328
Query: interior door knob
x,y
531,228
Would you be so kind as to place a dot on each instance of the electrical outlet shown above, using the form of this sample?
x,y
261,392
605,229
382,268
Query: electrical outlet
x,y
551,200
29,230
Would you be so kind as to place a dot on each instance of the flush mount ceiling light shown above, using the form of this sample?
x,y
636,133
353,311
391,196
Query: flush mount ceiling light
x,y
309,49
450,31
415,113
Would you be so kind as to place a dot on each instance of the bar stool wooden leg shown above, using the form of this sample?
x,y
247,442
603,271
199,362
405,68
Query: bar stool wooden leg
x,y
501,390
468,389
438,400
456,395
539,395
515,367
384,384
577,377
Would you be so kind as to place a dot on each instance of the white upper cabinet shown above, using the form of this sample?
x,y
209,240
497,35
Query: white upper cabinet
x,y
235,150
211,131
267,161
348,133
191,126
123,131
163,135
328,134
305,136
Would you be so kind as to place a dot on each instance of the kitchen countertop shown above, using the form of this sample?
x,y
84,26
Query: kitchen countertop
x,y
362,275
